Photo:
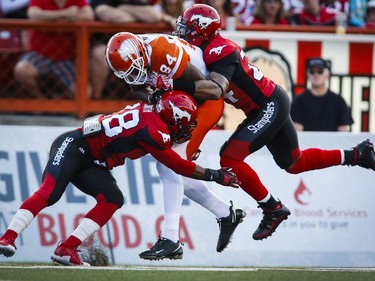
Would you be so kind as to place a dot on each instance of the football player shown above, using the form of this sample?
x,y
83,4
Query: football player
x,y
153,61
266,106
86,155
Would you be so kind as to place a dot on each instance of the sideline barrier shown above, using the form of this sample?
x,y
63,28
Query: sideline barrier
x,y
331,223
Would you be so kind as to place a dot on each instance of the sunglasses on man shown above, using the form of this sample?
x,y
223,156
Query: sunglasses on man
x,y
316,71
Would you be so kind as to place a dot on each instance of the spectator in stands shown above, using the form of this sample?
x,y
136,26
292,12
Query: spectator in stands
x,y
357,12
290,5
14,9
269,12
117,11
243,9
51,52
171,9
225,10
338,5
318,108
313,13
370,14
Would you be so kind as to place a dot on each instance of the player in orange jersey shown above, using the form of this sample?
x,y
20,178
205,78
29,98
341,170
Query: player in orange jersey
x,y
157,61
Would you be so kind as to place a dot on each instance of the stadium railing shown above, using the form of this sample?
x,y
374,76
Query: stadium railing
x,y
81,105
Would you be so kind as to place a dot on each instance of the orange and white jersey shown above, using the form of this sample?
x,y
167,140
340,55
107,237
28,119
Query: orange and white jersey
x,y
168,55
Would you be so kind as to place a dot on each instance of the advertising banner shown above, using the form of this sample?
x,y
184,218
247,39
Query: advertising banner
x,y
331,222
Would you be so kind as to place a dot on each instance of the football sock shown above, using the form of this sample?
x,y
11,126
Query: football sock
x,y
315,158
268,203
171,226
35,203
173,192
84,230
102,212
21,220
250,181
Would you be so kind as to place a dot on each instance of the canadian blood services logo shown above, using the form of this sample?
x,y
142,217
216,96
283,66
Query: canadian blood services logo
x,y
302,194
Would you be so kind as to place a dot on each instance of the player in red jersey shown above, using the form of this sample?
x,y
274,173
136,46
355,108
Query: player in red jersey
x,y
267,123
85,156
150,61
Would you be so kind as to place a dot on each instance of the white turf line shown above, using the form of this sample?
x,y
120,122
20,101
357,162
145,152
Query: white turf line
x,y
173,268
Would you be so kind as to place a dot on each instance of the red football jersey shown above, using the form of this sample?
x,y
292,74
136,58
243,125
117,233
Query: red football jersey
x,y
132,133
248,88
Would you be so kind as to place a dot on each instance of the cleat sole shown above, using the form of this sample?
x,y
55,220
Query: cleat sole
x,y
153,258
66,262
272,230
7,251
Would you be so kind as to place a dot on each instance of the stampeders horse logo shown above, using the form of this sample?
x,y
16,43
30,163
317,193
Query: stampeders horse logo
x,y
178,114
203,22
302,193
217,50
166,137
126,49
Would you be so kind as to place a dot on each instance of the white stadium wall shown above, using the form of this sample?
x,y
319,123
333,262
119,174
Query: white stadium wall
x,y
333,211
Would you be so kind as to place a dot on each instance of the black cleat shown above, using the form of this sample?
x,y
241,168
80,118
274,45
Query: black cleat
x,y
366,154
227,227
163,249
7,247
271,220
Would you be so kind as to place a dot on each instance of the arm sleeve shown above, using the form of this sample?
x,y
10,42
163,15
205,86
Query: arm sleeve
x,y
172,160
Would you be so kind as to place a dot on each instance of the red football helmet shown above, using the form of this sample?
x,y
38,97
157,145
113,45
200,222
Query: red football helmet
x,y
198,24
127,58
179,111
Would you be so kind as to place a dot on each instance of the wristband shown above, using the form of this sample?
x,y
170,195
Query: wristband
x,y
211,175
186,86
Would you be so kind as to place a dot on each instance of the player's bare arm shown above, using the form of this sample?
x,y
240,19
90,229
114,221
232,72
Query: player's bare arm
x,y
211,89
192,73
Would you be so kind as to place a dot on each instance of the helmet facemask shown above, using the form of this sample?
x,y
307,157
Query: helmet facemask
x,y
182,28
188,32
136,74
198,24
183,133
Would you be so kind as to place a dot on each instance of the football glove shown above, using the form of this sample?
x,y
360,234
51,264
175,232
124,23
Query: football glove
x,y
223,176
160,81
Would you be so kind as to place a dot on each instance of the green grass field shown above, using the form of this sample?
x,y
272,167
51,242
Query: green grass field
x,y
23,272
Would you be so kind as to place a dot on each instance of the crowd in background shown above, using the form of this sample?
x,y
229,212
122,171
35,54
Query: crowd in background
x,y
43,59
360,13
